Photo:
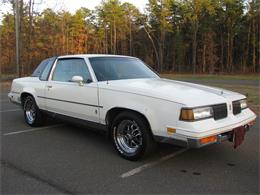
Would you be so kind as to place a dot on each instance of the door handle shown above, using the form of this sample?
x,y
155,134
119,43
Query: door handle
x,y
49,86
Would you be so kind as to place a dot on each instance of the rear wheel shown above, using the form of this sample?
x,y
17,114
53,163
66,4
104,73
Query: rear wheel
x,y
32,114
131,136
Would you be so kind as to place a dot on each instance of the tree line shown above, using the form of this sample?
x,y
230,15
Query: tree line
x,y
198,36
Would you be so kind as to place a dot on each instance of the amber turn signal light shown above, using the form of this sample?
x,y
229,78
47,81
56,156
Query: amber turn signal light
x,y
171,130
208,139
187,115
251,123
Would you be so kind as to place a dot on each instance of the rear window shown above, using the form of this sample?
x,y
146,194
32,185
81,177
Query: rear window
x,y
42,66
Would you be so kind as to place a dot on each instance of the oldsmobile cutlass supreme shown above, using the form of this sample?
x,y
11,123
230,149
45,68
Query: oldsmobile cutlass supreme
x,y
124,97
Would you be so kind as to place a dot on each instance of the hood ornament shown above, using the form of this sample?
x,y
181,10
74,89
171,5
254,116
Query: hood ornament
x,y
221,92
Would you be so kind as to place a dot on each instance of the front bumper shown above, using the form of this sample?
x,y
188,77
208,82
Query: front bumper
x,y
14,97
227,136
196,142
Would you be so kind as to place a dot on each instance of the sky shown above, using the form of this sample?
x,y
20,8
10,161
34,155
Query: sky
x,y
69,5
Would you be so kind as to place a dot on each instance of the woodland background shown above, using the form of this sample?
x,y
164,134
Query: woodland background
x,y
192,36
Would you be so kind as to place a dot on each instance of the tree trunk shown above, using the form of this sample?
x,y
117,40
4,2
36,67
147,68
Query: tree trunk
x,y
258,45
245,60
20,38
115,38
111,39
204,58
221,52
253,46
173,54
106,41
63,40
161,50
160,58
130,38
231,52
30,35
194,46
154,48
228,52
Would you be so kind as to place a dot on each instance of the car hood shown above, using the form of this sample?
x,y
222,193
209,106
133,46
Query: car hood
x,y
185,93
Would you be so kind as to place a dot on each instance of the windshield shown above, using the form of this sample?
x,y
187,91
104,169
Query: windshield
x,y
116,68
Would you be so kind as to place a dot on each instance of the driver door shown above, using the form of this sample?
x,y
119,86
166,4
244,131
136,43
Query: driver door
x,y
69,98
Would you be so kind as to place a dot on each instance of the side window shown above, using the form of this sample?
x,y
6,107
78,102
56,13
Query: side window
x,y
46,71
67,68
38,71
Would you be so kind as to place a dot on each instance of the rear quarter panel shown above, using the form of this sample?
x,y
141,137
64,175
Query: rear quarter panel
x,y
31,85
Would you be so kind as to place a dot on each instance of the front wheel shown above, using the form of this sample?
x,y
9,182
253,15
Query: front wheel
x,y
131,136
32,114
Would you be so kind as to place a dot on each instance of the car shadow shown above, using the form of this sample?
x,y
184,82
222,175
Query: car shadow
x,y
102,139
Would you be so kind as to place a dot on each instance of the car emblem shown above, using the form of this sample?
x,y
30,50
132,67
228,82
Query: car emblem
x,y
229,106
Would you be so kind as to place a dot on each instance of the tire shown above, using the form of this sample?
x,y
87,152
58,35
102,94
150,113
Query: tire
x,y
32,114
131,136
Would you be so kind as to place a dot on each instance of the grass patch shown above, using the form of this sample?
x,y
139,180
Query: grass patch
x,y
7,77
252,92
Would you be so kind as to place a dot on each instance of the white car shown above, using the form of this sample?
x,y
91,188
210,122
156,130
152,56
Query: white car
x,y
125,98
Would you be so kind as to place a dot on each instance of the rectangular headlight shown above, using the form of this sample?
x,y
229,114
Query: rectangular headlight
x,y
200,113
196,113
243,104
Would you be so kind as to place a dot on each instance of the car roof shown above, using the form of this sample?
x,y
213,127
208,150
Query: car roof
x,y
93,55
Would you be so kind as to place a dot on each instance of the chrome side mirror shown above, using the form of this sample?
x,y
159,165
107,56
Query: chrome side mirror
x,y
78,79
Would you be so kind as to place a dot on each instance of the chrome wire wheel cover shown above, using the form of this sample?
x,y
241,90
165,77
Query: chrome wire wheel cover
x,y
128,136
30,111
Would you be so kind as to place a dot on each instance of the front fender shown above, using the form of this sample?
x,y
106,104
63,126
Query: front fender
x,y
158,112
